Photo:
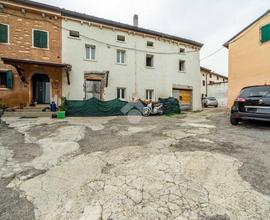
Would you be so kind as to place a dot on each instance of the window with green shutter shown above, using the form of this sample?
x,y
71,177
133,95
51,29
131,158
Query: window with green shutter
x,y
265,33
3,33
9,76
40,39
6,79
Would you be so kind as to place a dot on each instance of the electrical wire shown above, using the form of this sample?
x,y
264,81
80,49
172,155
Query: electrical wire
x,y
212,54
117,46
105,43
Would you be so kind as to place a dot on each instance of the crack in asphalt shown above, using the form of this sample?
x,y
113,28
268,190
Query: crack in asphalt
x,y
139,178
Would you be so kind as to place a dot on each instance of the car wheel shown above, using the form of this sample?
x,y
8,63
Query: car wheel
x,y
216,106
234,121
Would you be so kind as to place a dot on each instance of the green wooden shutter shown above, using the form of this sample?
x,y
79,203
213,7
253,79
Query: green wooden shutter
x,y
36,38
9,78
3,33
265,33
40,39
43,39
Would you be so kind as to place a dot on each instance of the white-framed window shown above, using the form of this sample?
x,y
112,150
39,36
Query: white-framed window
x,y
121,93
90,52
121,56
40,39
182,65
149,60
4,33
75,34
121,38
149,94
150,44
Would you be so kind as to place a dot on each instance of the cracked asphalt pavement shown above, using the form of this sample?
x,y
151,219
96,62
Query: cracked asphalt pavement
x,y
191,166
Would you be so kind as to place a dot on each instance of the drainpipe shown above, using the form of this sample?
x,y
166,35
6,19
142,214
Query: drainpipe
x,y
135,69
206,83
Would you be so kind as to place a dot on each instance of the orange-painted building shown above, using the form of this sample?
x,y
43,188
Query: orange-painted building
x,y
249,57
30,49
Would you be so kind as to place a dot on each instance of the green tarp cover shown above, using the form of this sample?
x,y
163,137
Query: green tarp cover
x,y
94,107
170,105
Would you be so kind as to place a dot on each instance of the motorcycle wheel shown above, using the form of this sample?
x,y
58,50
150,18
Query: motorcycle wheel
x,y
146,112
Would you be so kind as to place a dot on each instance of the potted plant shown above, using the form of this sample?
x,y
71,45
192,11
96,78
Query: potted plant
x,y
62,113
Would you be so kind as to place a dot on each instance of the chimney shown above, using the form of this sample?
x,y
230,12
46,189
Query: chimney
x,y
136,20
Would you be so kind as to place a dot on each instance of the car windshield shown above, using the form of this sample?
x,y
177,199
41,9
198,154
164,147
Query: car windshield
x,y
259,91
212,98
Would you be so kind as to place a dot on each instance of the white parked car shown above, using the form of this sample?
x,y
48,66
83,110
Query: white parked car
x,y
210,101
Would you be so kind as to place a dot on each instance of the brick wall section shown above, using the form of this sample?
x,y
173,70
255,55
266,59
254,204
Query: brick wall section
x,y
20,46
21,36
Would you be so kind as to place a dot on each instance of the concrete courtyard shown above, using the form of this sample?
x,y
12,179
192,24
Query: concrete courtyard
x,y
191,166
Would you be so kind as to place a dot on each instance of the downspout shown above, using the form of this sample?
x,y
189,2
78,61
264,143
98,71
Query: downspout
x,y
135,69
206,84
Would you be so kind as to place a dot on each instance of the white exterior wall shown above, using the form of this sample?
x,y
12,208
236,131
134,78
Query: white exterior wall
x,y
220,92
206,77
134,75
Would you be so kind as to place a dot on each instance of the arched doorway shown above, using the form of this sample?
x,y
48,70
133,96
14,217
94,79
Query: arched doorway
x,y
41,88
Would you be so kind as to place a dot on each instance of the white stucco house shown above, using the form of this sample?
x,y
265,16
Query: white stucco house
x,y
114,60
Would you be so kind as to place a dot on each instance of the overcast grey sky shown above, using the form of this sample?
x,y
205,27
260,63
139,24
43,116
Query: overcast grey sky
x,y
211,22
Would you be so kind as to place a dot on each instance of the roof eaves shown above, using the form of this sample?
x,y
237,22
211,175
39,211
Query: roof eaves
x,y
82,16
86,17
212,72
205,69
247,27
38,5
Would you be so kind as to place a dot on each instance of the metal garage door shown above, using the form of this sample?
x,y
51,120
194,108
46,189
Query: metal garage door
x,y
184,96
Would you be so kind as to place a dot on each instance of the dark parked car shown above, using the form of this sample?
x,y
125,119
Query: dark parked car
x,y
253,103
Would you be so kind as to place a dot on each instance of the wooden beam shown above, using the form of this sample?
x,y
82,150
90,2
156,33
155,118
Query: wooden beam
x,y
20,72
68,79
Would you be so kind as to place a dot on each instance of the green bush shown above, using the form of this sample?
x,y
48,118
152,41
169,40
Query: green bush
x,y
63,107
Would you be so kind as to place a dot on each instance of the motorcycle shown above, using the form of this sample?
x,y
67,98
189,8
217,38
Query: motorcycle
x,y
151,109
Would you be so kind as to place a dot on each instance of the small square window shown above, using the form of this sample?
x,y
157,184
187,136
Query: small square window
x,y
4,33
217,77
150,44
121,93
121,56
121,38
90,51
182,65
40,39
210,75
149,60
75,34
182,50
265,33
149,94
